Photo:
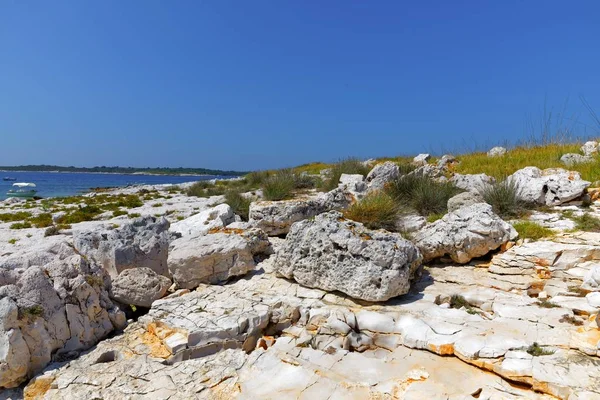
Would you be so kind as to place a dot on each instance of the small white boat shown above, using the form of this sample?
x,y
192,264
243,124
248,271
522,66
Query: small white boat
x,y
22,189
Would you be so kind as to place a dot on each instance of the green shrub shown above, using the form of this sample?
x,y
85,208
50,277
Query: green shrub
x,y
434,217
257,178
347,166
504,199
279,186
422,193
587,222
198,189
547,304
239,203
43,220
32,312
406,168
51,231
12,217
134,215
129,201
156,205
118,213
532,230
21,225
304,181
86,213
13,241
377,210
536,350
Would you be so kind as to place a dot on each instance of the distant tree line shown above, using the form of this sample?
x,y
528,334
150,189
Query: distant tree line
x,y
124,170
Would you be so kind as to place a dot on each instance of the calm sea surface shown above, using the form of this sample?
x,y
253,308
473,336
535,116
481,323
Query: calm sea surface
x,y
54,184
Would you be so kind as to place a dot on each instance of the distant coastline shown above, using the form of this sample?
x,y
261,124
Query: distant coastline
x,y
123,170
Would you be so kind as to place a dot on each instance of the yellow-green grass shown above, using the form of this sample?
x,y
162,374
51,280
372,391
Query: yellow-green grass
x,y
312,168
532,230
546,156
377,210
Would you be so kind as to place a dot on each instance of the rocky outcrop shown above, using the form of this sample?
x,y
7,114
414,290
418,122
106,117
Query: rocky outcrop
x,y
354,184
550,187
571,159
52,310
477,183
446,161
590,148
331,253
215,257
276,217
382,174
464,199
469,232
139,287
497,151
199,224
410,223
421,159
143,242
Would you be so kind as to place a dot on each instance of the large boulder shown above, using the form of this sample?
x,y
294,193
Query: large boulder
x,y
381,174
199,224
331,253
276,217
469,232
56,309
464,199
139,287
216,257
551,186
144,242
590,148
472,182
497,151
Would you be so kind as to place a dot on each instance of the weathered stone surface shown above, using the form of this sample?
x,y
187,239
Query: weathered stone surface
x,y
199,224
464,199
472,182
466,233
215,257
410,223
354,184
382,174
276,217
549,187
60,307
330,253
496,151
571,159
139,287
421,159
446,160
143,242
590,148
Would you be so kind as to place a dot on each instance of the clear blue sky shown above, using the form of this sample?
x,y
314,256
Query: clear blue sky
x,y
260,84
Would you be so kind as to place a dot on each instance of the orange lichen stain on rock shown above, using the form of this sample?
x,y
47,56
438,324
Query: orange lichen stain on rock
x,y
506,246
37,388
154,336
542,262
413,376
365,236
228,231
443,350
588,335
543,273
537,285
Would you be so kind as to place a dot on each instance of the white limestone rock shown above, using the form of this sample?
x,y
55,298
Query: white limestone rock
x,y
143,242
466,233
476,183
410,223
276,217
571,159
139,287
464,199
199,224
331,253
497,151
590,148
421,159
215,257
382,174
354,184
591,281
550,187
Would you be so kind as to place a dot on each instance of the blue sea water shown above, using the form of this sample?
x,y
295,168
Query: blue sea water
x,y
58,184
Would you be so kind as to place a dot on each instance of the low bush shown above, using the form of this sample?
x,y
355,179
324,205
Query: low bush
x,y
21,225
257,178
239,203
532,230
32,312
504,199
422,194
347,166
118,213
377,210
51,231
81,214
536,350
43,220
17,216
587,222
279,186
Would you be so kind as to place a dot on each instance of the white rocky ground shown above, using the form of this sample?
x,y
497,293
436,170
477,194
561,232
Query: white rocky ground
x,y
524,325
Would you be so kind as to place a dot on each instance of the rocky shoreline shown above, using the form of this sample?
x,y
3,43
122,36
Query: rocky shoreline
x,y
180,298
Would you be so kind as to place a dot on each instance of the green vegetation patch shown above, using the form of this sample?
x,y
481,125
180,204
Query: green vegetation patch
x,y
279,186
17,216
21,225
504,199
536,350
532,230
347,166
239,203
32,312
587,222
377,210
422,194
43,220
